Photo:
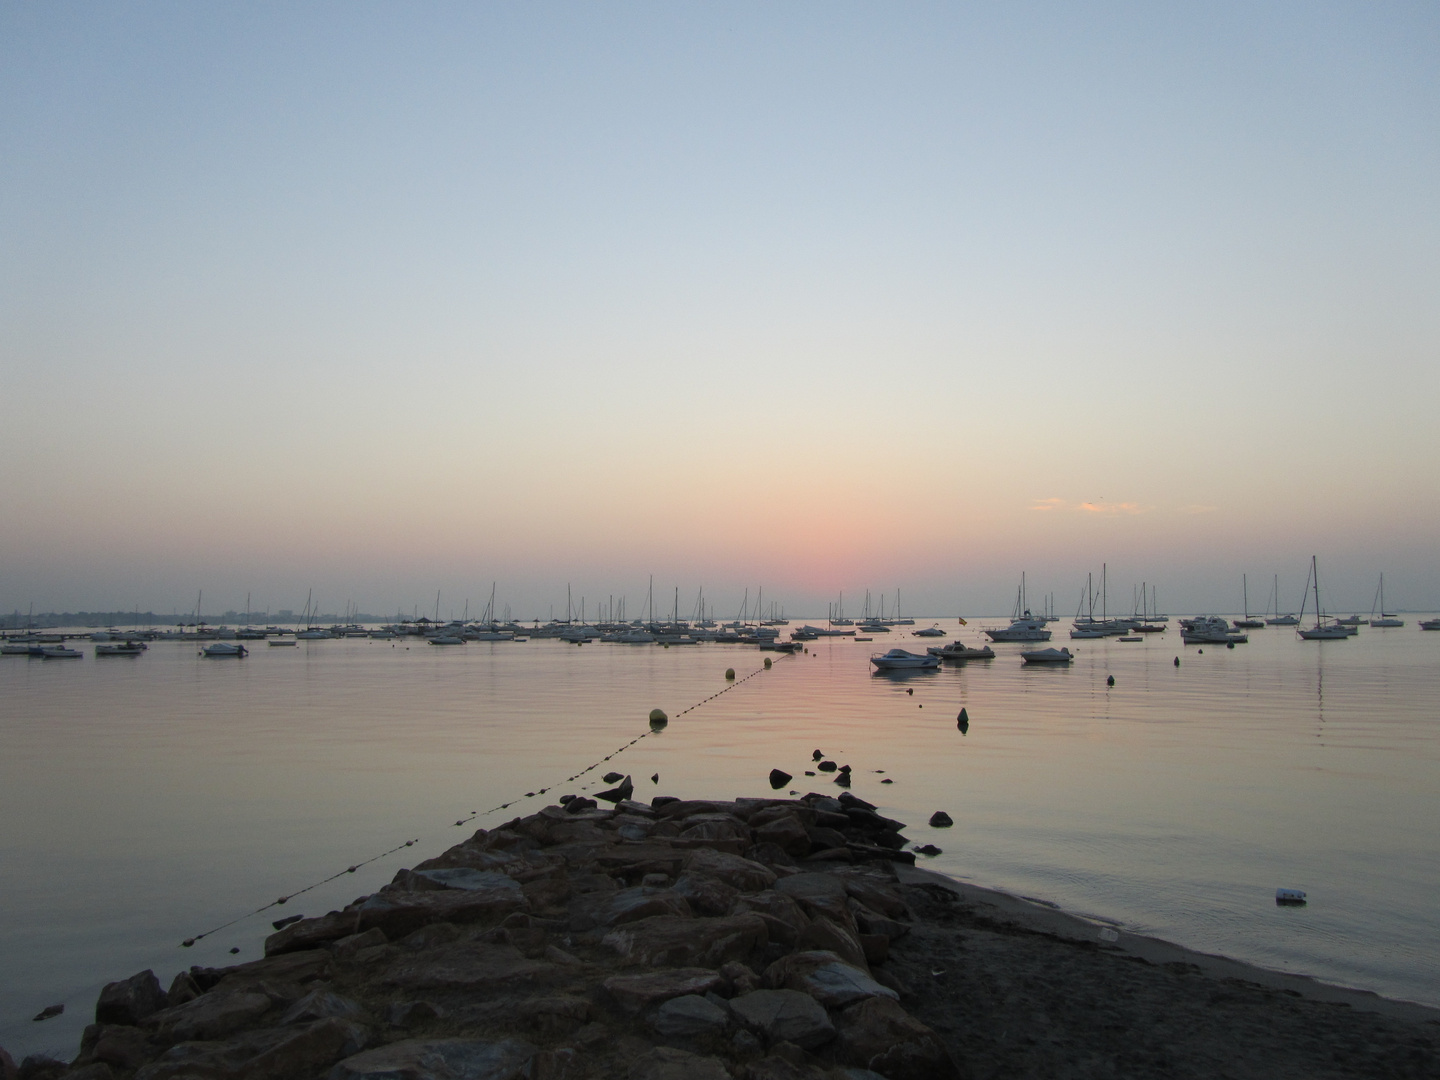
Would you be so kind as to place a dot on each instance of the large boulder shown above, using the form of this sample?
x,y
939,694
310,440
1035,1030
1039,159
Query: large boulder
x,y
706,895
784,919
213,1016
825,977
668,941
131,1000
267,1054
735,871
878,1034
590,910
784,1016
786,832
468,966
689,1017
667,1063
637,993
440,1059
398,913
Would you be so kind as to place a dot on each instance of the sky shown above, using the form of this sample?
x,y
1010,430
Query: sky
x,y
384,300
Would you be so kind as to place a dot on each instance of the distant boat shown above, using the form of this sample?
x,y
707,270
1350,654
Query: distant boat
x,y
222,650
447,639
1384,619
1047,656
1430,624
60,652
930,631
1320,632
957,651
1247,623
1278,619
127,648
281,643
900,660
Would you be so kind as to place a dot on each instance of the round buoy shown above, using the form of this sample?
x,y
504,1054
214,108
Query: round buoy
x,y
1201,651
658,719
910,690
1177,661
1110,680
1229,644
729,673
767,663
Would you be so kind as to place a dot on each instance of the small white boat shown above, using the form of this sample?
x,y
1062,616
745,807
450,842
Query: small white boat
x,y
1047,656
1322,631
314,635
224,650
60,652
447,639
930,631
1025,628
11,648
281,643
1430,624
1384,619
900,660
958,651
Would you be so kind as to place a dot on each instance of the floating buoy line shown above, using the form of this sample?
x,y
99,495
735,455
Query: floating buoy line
x,y
656,726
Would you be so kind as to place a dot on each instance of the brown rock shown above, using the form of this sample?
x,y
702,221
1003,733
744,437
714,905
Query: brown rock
x,y
183,988
775,1067
876,948
634,861
131,1000
878,1034
346,948
268,1054
562,1064
439,1059
787,833
96,1070
739,978
636,993
399,913
685,808
467,965
667,941
826,977
774,810
770,855
318,1005
310,933
211,1016
624,906
716,827
296,968
8,1071
667,1063
706,895
737,872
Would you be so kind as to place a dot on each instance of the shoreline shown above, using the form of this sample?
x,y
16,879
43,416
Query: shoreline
x,y
750,939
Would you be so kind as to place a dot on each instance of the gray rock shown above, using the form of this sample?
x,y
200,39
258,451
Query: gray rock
x,y
212,1016
131,1000
618,794
627,905
667,1063
739,873
439,1059
665,940
612,777
636,993
785,1015
941,820
319,1004
347,947
463,877
96,1070
410,1013
787,833
689,1017
468,966
825,977
878,1034
706,895
267,1054
779,778
812,887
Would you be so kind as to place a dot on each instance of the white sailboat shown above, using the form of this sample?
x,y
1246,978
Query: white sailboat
x,y
1320,631
1278,619
1379,605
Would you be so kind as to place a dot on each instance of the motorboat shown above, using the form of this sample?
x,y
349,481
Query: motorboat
x,y
1209,630
1047,656
780,646
60,652
901,660
1026,628
223,650
957,651
120,648
1430,624
447,639
872,627
634,637
1352,620
313,635
14,648
281,643
1087,632
930,631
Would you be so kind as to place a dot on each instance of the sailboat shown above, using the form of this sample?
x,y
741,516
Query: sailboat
x,y
1379,605
1281,620
1247,623
1320,632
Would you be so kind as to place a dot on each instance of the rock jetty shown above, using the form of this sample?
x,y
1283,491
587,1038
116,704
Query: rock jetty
x,y
753,939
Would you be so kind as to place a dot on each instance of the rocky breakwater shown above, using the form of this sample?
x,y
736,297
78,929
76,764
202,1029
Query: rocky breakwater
x,y
681,939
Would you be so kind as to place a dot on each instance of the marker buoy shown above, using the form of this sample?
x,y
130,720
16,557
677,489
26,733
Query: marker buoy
x,y
1177,661
658,719
1110,680
767,663
729,673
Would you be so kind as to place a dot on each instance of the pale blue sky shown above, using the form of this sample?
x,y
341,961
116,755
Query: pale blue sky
x,y
382,299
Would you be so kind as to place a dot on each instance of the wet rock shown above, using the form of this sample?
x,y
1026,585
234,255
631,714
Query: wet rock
x,y
183,988
411,1013
827,766
941,820
848,800
784,919
320,1005
826,977
878,1034
637,993
843,779
929,849
310,933
620,793
49,1012
280,924
735,871
787,833
439,1059
267,1054
211,1016
706,895
828,935
667,1063
871,853
131,1000
784,1015
578,804
468,966
612,777
779,778
553,1017
689,1017
667,941
346,948
120,1046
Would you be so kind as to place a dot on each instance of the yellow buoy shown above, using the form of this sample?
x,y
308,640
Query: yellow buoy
x,y
729,673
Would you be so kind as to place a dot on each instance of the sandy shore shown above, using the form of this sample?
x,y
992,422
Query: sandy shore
x,y
760,939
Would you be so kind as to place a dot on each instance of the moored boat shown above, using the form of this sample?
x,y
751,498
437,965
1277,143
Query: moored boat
x,y
958,651
930,631
1047,656
224,650
901,660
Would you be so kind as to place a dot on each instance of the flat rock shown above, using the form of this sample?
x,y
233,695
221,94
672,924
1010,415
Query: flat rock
x,y
812,886
689,1017
440,1059
785,1016
827,934
399,913
131,1000
267,1054
787,833
826,978
878,1034
636,993
668,941
212,1016
468,965
706,895
467,878
625,906
310,933
784,919
876,895
667,1063
735,871
318,1005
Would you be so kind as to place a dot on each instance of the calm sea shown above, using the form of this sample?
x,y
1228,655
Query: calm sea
x,y
143,801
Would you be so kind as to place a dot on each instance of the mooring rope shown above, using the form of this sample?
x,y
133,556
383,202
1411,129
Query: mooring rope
x,y
463,821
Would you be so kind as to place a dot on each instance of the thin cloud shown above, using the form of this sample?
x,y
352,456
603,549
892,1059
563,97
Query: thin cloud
x,y
1110,508
1047,504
